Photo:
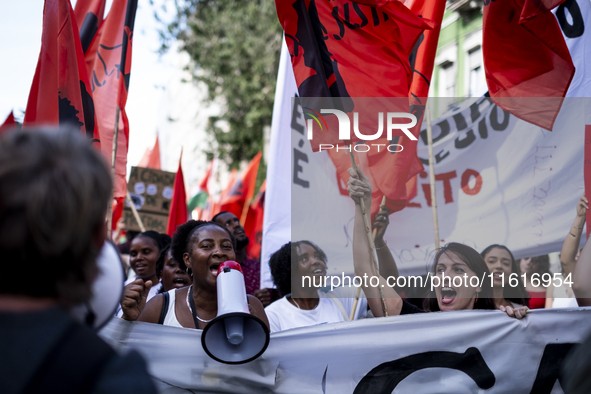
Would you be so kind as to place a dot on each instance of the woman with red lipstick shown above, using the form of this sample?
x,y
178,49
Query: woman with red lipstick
x,y
202,246
502,265
457,270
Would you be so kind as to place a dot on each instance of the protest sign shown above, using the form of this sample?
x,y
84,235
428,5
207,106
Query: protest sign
x,y
151,193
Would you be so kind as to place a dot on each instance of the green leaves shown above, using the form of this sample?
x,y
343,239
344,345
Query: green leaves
x,y
235,47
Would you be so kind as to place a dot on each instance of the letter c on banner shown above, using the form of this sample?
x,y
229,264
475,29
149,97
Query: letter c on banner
x,y
385,377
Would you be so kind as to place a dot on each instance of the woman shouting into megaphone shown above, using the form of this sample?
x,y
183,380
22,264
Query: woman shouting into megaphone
x,y
202,246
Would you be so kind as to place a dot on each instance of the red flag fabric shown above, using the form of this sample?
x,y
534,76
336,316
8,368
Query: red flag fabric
x,y
253,225
151,158
89,17
8,123
178,207
242,190
205,181
361,48
382,165
110,82
117,212
60,93
525,56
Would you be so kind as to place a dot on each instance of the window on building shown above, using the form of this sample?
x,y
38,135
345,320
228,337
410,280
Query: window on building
x,y
447,79
476,79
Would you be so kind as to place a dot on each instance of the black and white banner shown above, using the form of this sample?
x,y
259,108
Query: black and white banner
x,y
444,352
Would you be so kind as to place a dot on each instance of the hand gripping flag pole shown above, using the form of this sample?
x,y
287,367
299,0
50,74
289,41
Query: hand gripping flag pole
x,y
367,223
373,236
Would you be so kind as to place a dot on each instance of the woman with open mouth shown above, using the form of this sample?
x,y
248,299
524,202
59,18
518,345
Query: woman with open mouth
x,y
459,274
145,250
502,265
298,269
172,274
202,246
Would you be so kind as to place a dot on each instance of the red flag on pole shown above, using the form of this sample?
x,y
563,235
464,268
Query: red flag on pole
x,y
526,61
178,207
242,190
8,123
60,93
253,225
205,181
89,17
151,158
354,49
110,83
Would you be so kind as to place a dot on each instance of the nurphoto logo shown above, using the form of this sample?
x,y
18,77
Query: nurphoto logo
x,y
393,122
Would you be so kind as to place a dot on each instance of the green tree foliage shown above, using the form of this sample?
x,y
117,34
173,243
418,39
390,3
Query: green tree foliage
x,y
234,45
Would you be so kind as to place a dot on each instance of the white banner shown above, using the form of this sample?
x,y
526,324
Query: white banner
x,y
277,219
449,352
499,179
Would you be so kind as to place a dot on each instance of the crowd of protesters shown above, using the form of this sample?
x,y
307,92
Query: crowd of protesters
x,y
172,281
516,286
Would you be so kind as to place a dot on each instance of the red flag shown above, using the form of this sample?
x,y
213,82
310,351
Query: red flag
x,y
151,158
361,48
89,17
253,225
117,212
525,56
110,83
242,190
178,207
382,165
8,123
205,181
60,92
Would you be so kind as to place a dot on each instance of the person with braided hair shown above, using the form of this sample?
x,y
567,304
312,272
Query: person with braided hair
x,y
202,246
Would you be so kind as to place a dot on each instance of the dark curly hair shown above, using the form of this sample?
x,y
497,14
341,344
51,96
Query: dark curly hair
x,y
476,263
284,260
183,234
516,294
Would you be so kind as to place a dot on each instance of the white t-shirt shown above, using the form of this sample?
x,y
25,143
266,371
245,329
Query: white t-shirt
x,y
283,315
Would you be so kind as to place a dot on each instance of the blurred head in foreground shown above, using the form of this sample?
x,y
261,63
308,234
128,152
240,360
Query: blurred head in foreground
x,y
54,190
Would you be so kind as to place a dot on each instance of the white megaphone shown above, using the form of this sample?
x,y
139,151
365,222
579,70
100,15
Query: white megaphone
x,y
107,290
234,336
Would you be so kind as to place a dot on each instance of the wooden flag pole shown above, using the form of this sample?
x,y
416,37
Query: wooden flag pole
x,y
373,235
367,224
113,160
135,213
432,179
245,211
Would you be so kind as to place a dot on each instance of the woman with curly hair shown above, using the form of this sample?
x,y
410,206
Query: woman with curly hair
x,y
202,246
172,274
299,263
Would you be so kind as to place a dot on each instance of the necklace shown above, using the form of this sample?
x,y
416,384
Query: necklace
x,y
191,307
294,301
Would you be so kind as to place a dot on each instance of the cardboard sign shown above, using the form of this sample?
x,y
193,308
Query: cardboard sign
x,y
151,193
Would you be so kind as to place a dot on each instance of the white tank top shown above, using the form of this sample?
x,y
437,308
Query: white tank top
x,y
170,319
